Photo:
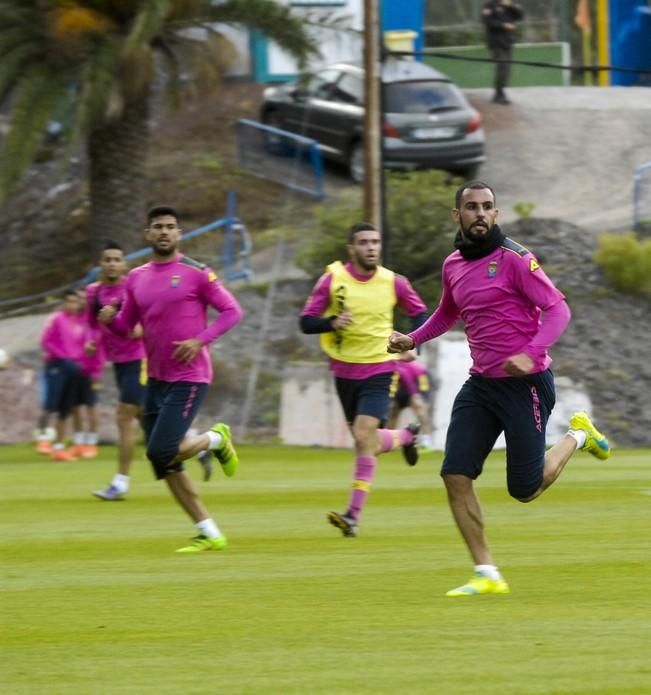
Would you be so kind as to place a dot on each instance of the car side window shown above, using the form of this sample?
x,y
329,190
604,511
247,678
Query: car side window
x,y
321,84
349,90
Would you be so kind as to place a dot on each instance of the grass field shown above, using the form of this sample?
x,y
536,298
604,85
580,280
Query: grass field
x,y
94,599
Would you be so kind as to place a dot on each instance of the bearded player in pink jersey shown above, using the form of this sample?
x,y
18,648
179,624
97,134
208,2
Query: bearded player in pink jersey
x,y
169,297
512,315
352,307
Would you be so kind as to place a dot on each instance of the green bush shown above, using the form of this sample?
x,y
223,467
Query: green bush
x,y
420,230
626,262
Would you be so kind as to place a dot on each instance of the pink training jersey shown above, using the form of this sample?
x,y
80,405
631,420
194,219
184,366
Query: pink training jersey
x,y
118,348
170,301
500,299
410,373
63,337
93,365
318,302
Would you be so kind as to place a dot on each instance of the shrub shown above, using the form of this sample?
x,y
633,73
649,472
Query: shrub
x,y
420,230
626,262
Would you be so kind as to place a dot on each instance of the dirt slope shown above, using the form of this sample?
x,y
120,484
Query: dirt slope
x,y
569,150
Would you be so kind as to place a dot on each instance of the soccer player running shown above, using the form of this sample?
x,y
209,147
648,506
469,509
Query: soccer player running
x,y
512,315
169,297
352,307
127,353
62,342
411,388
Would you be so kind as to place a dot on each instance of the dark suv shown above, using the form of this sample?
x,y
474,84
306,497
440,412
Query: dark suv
x,y
428,123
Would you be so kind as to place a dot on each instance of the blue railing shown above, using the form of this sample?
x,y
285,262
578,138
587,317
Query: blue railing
x,y
234,262
277,155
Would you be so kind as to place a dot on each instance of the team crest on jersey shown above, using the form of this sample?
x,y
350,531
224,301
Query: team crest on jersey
x,y
492,269
175,280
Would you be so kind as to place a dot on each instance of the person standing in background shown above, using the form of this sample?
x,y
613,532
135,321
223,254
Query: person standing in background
x,y
500,19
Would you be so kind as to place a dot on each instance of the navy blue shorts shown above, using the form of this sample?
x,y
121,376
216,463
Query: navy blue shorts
x,y
87,391
61,380
168,411
131,380
365,396
483,409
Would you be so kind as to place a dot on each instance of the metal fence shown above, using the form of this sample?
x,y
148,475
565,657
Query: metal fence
x,y
233,263
278,155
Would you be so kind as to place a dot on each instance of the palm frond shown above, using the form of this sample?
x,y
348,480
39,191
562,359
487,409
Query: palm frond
x,y
147,24
96,83
35,101
14,63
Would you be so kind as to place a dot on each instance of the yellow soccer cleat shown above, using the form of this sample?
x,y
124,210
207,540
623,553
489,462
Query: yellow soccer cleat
x,y
480,585
201,543
226,454
595,442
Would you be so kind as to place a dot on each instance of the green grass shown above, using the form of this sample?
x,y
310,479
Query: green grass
x,y
94,600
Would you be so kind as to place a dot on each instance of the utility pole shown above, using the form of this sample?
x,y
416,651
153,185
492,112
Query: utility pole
x,y
372,107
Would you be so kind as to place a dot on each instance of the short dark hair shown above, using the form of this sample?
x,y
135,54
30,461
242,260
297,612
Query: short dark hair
x,y
160,211
475,185
110,245
360,227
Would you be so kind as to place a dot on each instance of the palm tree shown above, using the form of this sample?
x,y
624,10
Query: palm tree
x,y
100,60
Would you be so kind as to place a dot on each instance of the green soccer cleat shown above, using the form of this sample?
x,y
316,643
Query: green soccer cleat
x,y
595,442
480,585
226,454
201,543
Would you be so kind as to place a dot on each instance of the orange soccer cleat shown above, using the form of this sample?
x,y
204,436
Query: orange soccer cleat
x,y
44,446
63,455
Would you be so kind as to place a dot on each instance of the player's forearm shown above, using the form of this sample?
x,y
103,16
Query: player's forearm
x,y
316,324
437,324
227,319
553,324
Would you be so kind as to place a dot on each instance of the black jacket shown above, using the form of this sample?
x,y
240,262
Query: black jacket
x,y
494,15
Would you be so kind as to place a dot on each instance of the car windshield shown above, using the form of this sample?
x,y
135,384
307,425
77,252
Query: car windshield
x,y
420,97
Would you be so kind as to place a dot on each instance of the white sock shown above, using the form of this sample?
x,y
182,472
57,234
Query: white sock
x,y
92,438
489,571
425,440
121,482
215,439
579,435
78,438
208,528
58,446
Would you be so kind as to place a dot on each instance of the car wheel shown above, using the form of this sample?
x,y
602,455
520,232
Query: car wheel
x,y
356,162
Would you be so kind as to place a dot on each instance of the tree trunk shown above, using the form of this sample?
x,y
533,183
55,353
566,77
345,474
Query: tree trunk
x,y
117,159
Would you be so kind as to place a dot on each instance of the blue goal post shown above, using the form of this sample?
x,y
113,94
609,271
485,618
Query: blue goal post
x,y
278,155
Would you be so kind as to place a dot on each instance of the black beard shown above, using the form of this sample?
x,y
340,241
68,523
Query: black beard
x,y
163,252
473,246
